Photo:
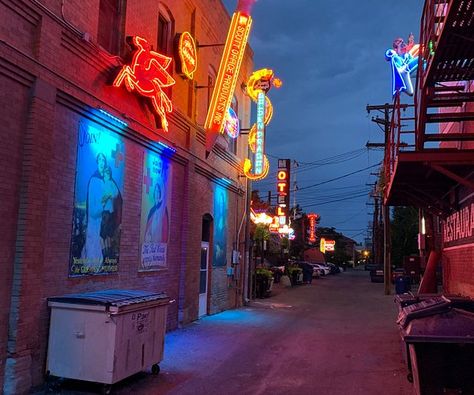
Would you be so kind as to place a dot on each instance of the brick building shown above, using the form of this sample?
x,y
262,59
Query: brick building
x,y
72,142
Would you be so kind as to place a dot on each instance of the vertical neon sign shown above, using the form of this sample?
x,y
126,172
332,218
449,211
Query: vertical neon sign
x,y
312,227
283,191
229,69
260,138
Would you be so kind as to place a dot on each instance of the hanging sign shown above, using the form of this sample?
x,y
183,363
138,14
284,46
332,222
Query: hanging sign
x,y
404,60
283,191
312,227
232,124
186,61
227,75
258,84
147,74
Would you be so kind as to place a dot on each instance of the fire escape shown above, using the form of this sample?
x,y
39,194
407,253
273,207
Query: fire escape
x,y
425,167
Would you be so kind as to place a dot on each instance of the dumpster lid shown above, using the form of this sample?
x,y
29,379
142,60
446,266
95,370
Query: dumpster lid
x,y
452,326
110,297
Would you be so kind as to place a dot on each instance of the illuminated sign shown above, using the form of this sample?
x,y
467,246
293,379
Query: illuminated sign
x,y
229,69
283,191
404,60
327,245
147,75
312,227
258,84
260,137
187,55
260,218
232,125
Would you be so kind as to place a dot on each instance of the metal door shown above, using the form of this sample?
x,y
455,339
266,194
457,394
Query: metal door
x,y
203,278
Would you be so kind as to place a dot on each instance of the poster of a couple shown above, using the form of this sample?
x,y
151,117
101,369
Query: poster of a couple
x,y
97,214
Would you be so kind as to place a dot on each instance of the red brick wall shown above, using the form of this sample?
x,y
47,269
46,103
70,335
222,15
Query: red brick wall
x,y
458,270
50,78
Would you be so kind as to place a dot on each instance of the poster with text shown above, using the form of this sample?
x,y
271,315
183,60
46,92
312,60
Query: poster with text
x,y
220,226
154,225
97,213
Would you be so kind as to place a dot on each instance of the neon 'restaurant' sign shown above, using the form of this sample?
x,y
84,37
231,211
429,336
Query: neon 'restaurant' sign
x,y
257,87
147,75
187,55
227,75
312,227
404,60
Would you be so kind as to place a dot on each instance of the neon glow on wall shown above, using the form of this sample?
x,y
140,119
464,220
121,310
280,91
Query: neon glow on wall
x,y
147,74
404,60
227,75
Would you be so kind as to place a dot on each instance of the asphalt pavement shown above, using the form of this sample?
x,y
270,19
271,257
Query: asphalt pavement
x,y
335,336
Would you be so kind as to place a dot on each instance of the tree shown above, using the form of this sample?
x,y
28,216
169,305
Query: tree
x,y
404,232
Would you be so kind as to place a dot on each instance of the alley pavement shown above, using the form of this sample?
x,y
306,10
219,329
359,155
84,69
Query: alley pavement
x,y
335,336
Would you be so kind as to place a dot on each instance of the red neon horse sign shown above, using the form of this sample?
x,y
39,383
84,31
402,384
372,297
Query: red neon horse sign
x,y
148,75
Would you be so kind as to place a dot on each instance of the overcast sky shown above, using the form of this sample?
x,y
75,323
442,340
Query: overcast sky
x,y
330,57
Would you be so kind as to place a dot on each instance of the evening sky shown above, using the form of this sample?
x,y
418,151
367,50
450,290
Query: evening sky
x,y
330,57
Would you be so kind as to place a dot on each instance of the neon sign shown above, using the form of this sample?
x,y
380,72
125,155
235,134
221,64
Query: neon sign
x,y
260,137
258,84
327,245
229,69
147,74
312,227
232,125
283,191
404,60
187,55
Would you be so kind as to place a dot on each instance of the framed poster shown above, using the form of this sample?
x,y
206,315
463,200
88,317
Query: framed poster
x,y
220,226
154,224
97,213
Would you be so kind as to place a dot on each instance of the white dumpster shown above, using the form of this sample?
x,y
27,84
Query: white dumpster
x,y
106,336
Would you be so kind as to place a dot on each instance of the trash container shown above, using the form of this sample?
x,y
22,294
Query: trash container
x,y
402,284
106,336
439,337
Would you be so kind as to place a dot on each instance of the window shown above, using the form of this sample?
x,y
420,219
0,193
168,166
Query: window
x,y
165,33
109,34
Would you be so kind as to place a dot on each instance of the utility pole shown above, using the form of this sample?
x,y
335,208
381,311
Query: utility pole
x,y
385,210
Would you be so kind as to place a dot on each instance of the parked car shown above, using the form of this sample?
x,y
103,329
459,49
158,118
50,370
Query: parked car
x,y
371,266
323,269
332,267
377,274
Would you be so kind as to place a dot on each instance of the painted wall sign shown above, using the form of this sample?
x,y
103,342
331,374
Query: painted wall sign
x,y
186,61
312,227
227,75
147,74
404,60
97,213
232,124
283,191
155,211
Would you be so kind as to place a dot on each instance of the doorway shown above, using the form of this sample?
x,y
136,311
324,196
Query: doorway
x,y
204,265
203,286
